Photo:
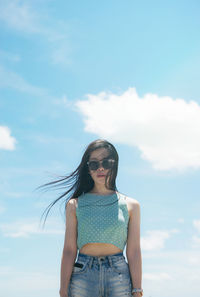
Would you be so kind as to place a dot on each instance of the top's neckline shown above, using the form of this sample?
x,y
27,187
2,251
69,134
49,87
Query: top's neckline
x,y
96,194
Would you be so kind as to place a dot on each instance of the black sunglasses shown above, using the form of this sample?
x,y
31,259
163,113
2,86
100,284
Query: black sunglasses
x,y
106,164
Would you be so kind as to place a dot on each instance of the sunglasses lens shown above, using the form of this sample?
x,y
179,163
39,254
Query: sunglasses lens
x,y
93,165
107,163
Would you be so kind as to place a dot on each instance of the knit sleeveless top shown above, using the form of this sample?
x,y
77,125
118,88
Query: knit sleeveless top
x,y
102,218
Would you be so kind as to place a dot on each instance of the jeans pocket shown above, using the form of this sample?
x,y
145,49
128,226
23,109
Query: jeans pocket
x,y
121,266
79,267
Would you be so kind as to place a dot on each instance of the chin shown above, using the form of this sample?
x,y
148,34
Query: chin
x,y
102,182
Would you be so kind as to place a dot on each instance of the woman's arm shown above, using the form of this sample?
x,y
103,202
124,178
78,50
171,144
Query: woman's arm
x,y
70,248
133,250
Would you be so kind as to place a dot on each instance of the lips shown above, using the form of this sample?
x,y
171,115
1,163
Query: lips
x,y
100,175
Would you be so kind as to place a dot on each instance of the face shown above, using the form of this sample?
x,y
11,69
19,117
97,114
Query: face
x,y
99,175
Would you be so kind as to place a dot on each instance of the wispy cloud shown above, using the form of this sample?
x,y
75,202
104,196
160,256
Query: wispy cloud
x,y
63,102
14,282
40,138
9,56
10,79
61,54
166,271
2,209
25,228
4,250
7,142
194,259
196,224
24,17
165,130
155,239
157,276
195,241
196,237
18,15
181,220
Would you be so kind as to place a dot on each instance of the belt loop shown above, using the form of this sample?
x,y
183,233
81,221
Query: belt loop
x,y
90,262
110,261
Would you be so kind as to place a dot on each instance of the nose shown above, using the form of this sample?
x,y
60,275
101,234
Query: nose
x,y
100,166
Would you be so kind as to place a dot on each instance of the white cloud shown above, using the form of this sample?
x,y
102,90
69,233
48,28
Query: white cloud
x,y
155,239
196,224
26,228
7,142
165,130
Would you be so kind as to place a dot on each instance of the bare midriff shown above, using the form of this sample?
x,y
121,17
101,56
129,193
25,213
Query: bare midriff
x,y
99,249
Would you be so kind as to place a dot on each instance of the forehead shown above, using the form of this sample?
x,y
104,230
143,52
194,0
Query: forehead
x,y
99,154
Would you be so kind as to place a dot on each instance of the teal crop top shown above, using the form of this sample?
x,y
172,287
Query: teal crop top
x,y
102,218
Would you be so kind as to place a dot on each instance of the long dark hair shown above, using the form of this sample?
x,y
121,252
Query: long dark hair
x,y
80,181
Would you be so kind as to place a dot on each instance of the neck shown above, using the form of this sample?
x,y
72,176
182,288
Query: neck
x,y
102,190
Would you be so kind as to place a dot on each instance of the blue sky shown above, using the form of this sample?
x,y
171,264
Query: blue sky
x,y
75,71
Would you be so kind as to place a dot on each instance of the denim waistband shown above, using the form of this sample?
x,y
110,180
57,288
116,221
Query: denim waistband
x,y
100,259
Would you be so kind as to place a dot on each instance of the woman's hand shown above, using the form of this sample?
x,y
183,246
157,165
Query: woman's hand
x,y
63,293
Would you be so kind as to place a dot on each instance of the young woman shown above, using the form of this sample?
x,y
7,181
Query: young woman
x,y
100,221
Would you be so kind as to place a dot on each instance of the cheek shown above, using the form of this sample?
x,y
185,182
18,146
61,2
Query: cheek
x,y
92,174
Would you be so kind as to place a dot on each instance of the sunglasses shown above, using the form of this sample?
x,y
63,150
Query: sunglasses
x,y
106,164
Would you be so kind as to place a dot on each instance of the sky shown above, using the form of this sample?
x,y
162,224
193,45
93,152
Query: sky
x,y
75,71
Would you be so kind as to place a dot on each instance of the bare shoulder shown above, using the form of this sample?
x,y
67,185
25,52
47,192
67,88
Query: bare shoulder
x,y
71,206
132,204
73,202
132,201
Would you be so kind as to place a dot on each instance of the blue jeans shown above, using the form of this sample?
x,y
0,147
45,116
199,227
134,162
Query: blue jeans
x,y
100,276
